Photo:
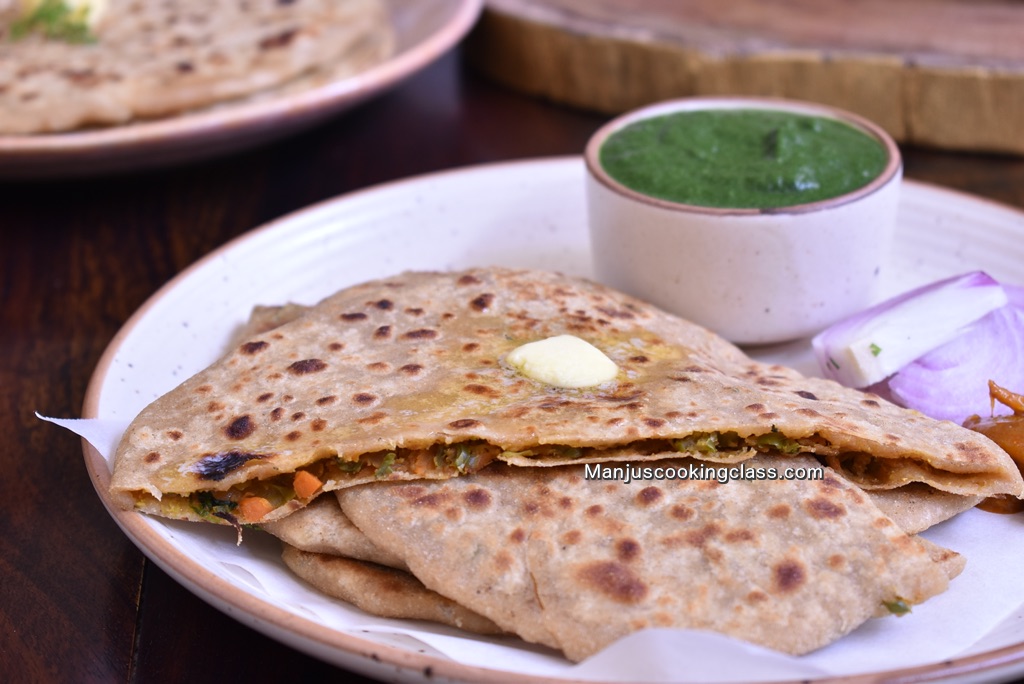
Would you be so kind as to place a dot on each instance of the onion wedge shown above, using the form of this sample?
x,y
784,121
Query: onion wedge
x,y
868,347
951,382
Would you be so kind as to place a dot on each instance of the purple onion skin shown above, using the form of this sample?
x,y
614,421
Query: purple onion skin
x,y
951,381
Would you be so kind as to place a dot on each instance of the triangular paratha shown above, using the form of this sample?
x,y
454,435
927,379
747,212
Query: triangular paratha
x,y
405,378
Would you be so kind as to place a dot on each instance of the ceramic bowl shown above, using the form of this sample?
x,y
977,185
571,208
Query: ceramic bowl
x,y
755,276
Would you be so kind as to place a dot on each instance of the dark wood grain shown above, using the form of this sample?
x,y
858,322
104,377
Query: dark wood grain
x,y
78,603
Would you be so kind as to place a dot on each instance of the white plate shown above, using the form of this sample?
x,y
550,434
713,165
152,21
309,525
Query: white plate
x,y
424,30
515,214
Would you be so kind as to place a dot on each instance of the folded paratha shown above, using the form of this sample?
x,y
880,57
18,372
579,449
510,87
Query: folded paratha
x,y
576,563
406,378
157,58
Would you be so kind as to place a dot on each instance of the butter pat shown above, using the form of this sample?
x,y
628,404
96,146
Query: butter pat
x,y
563,361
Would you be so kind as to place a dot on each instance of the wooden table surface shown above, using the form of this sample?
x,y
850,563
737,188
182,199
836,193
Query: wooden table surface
x,y
78,602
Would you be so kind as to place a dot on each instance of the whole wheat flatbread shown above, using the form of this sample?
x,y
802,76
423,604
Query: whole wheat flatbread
x,y
382,591
404,378
158,58
575,564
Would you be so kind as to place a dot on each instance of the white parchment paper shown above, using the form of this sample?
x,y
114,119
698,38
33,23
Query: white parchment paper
x,y
983,610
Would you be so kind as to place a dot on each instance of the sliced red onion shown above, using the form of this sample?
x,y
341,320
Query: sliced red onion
x,y
951,382
872,345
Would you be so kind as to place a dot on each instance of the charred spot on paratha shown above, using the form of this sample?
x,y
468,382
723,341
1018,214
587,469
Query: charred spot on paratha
x,y
240,428
374,418
254,347
700,538
478,498
482,302
614,580
278,40
431,500
740,535
973,452
681,512
571,538
788,576
648,495
307,366
216,467
421,334
481,390
627,550
622,314
823,508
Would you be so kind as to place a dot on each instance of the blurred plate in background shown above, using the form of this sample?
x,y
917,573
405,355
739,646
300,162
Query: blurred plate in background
x,y
424,30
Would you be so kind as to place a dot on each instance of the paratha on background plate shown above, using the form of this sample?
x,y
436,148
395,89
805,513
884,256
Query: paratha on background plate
x,y
406,378
152,58
576,563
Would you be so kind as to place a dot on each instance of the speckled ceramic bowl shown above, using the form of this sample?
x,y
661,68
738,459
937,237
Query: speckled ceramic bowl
x,y
755,276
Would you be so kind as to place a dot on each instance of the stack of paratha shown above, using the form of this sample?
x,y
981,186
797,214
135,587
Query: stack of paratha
x,y
455,469
153,58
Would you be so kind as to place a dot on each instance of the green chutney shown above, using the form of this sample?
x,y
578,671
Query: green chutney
x,y
742,158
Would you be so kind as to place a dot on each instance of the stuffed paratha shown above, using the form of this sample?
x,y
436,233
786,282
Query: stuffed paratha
x,y
405,378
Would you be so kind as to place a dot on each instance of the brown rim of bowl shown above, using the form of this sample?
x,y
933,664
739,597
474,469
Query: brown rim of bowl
x,y
892,166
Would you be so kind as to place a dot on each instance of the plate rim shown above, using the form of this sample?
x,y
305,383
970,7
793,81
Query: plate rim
x,y
311,637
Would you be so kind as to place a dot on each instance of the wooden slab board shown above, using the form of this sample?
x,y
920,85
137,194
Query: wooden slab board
x,y
939,73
